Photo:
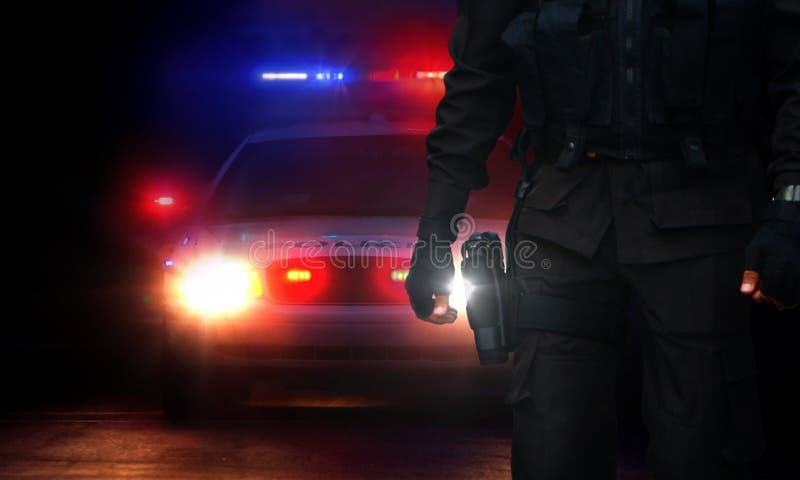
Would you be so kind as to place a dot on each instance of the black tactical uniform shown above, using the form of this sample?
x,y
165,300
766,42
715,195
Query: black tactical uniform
x,y
645,116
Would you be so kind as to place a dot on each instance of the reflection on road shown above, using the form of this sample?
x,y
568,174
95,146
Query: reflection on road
x,y
297,435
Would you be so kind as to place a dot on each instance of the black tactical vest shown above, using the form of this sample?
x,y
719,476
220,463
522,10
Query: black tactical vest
x,y
696,91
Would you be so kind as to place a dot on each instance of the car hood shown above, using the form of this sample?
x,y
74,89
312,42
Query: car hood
x,y
328,232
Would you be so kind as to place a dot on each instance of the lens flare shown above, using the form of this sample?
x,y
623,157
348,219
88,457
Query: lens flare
x,y
459,293
219,286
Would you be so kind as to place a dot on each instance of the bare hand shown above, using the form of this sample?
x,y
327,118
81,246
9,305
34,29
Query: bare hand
x,y
442,311
751,286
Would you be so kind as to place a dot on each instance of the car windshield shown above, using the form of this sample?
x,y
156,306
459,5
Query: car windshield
x,y
382,175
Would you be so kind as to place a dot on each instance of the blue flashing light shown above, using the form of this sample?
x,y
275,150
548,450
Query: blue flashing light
x,y
327,76
284,76
323,76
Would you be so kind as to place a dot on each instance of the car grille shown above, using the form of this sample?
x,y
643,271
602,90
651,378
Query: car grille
x,y
365,280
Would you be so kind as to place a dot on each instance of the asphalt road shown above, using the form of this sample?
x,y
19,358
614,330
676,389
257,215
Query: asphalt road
x,y
141,446
312,436
69,414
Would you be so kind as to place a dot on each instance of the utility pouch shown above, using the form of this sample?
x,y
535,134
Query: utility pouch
x,y
483,272
699,64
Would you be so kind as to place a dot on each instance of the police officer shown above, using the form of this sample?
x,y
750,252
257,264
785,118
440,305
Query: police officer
x,y
648,127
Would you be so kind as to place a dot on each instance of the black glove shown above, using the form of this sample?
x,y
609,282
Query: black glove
x,y
432,267
774,252
431,274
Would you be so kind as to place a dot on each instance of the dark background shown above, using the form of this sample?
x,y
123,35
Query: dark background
x,y
111,103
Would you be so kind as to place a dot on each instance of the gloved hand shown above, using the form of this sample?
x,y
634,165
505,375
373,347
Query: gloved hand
x,y
772,260
431,274
432,269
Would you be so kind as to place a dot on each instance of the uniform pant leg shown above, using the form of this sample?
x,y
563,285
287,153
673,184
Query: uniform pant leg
x,y
563,383
565,423
700,401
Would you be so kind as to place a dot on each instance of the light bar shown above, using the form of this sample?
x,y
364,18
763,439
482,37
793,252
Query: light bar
x,y
395,74
284,76
329,76
325,76
302,76
384,75
421,74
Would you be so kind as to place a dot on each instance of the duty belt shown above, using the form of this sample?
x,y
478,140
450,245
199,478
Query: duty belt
x,y
565,149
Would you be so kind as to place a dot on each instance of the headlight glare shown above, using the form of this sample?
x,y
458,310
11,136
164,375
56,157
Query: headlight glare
x,y
219,286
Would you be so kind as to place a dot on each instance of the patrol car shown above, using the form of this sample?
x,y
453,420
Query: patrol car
x,y
297,258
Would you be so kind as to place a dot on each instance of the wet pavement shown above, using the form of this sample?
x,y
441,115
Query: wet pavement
x,y
315,435
67,415
137,445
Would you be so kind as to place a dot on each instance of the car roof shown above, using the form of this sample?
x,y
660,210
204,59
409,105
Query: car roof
x,y
376,125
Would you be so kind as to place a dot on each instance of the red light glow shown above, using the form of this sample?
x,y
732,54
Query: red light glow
x,y
296,283
297,275
397,74
436,74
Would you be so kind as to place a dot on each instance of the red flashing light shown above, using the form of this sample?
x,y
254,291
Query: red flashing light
x,y
429,74
385,75
296,283
397,74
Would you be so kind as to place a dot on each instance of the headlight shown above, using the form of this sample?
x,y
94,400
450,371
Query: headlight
x,y
219,286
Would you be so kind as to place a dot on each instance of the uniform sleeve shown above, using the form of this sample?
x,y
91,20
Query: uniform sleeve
x,y
783,55
478,103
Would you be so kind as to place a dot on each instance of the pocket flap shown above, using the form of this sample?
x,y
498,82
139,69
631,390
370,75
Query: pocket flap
x,y
686,197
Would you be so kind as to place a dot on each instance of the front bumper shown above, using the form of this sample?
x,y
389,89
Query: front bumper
x,y
321,336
